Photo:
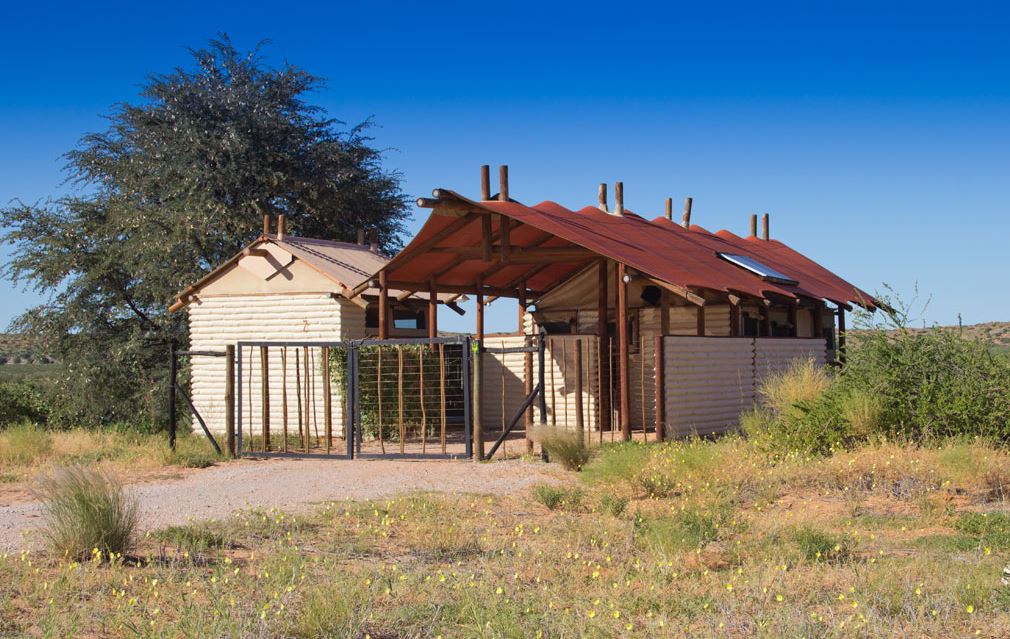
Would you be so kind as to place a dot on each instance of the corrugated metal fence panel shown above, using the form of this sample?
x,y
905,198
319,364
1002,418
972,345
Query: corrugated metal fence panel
x,y
708,382
219,321
774,355
503,379
559,379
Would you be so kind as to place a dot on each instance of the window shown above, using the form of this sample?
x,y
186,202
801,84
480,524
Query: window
x,y
766,273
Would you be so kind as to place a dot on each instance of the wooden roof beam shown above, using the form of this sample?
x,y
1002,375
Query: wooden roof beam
x,y
676,289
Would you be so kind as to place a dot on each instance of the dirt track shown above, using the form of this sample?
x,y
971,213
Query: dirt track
x,y
292,485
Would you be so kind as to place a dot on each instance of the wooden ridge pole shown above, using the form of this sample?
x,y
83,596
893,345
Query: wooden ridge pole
x,y
265,396
622,338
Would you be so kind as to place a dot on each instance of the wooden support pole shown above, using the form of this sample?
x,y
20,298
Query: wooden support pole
x,y
485,238
265,395
754,225
622,338
734,320
664,311
818,319
432,309
669,208
504,230
327,400
602,306
503,183
478,382
298,394
554,389
659,390
580,425
766,321
688,202
229,398
383,306
619,198
485,182
378,389
306,370
841,335
441,392
284,395
701,321
399,396
603,197
527,367
765,234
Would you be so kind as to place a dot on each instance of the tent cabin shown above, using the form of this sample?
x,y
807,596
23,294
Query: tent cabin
x,y
723,310
286,288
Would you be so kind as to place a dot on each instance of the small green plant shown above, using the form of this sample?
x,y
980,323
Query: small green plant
x,y
87,513
567,447
991,529
817,545
555,497
613,505
22,444
194,538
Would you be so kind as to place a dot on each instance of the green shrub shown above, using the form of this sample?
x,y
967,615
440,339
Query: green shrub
x,y
817,545
21,401
931,385
22,444
194,538
613,506
87,514
567,447
990,529
555,497
692,527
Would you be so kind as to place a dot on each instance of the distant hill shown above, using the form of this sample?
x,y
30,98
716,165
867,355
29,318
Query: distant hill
x,y
995,334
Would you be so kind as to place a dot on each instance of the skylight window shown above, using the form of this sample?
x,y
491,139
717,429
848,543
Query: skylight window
x,y
766,273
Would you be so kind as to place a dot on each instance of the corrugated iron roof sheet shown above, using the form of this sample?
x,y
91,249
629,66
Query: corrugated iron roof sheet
x,y
660,248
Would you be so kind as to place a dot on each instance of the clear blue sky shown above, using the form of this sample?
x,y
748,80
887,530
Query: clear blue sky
x,y
875,134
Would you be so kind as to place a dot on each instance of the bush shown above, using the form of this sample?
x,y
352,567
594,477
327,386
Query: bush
x,y
931,385
613,506
87,514
991,529
567,447
816,545
194,538
22,444
21,401
555,497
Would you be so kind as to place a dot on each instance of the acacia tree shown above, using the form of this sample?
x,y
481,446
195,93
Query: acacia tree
x,y
178,183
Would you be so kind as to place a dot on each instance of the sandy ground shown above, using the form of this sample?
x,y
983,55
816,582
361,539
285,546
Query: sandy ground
x,y
291,484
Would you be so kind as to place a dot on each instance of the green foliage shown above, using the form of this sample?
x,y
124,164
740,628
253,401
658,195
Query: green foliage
x,y
567,447
990,529
21,401
555,497
613,505
817,545
616,462
193,538
21,444
88,514
691,527
177,184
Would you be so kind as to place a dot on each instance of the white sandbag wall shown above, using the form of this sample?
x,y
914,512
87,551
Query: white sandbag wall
x,y
503,382
560,377
709,382
216,322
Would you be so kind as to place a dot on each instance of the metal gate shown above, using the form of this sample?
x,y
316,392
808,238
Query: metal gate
x,y
407,398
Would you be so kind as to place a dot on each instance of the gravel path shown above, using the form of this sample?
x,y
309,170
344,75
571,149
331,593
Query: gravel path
x,y
293,485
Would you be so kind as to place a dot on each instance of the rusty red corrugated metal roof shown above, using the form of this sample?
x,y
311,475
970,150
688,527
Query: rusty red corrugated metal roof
x,y
661,249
